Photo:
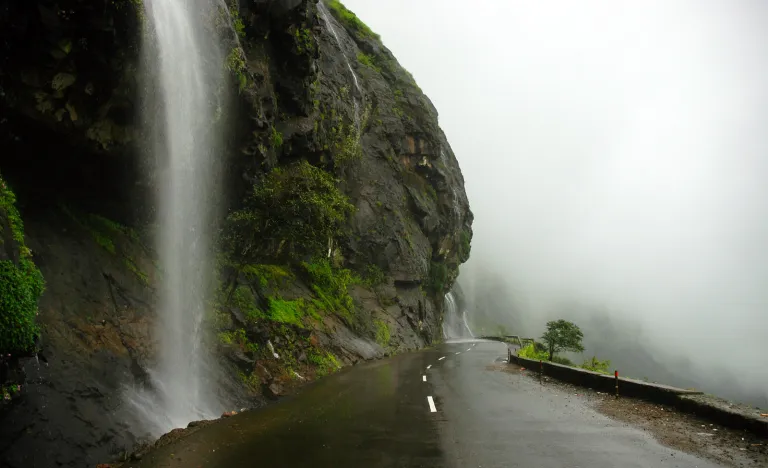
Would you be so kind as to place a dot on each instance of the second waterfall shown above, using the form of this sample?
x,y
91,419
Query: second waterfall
x,y
183,82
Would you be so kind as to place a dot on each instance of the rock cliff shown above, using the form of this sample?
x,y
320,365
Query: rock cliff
x,y
327,134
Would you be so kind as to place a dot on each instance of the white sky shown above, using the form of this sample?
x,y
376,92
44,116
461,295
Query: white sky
x,y
612,150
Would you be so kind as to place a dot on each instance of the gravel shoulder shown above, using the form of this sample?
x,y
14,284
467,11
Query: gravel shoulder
x,y
670,427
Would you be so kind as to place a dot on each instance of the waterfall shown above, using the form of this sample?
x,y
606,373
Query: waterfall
x,y
455,325
329,24
184,69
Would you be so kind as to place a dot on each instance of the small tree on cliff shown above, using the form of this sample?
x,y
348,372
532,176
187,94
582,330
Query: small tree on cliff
x,y
562,335
295,212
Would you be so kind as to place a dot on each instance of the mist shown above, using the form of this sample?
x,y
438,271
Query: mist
x,y
615,156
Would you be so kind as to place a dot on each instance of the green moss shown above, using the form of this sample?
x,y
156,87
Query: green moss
x,y
135,270
368,61
383,335
8,206
235,64
438,276
242,298
464,246
304,41
289,312
266,275
351,21
331,286
325,362
277,138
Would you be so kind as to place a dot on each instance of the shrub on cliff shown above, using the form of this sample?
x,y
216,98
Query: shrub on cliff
x,y
21,283
293,214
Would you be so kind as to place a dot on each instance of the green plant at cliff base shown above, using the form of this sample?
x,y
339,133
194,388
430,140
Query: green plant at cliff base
x,y
237,23
326,362
303,39
331,285
21,284
291,214
351,20
383,335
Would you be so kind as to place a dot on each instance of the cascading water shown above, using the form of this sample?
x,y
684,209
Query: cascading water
x,y
329,24
455,325
185,69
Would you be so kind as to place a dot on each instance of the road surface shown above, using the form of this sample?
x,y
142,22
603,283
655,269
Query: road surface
x,y
443,407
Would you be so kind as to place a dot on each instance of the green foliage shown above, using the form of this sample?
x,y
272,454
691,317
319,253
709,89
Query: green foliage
x,y
21,284
331,286
240,339
562,335
529,351
237,23
303,38
325,362
242,298
351,21
383,335
8,207
464,246
368,61
292,214
438,277
373,276
346,145
20,287
596,365
277,138
562,360
235,64
266,275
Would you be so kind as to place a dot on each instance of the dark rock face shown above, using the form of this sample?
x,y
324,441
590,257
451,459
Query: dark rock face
x,y
73,150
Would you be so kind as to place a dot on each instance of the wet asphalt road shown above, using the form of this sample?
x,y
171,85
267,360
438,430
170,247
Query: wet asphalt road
x,y
379,415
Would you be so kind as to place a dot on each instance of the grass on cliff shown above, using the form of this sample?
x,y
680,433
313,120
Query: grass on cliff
x,y
21,283
351,21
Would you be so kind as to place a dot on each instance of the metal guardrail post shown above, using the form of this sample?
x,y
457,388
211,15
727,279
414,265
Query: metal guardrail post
x,y
616,376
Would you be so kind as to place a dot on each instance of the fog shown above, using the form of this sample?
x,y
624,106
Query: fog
x,y
616,158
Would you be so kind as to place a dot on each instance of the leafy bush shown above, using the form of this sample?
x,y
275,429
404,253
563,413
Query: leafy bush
x,y
562,360
20,288
21,284
291,214
235,64
529,351
383,335
596,365
351,21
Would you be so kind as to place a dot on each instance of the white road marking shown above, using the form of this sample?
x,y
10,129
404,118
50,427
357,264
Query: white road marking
x,y
424,378
459,352
474,345
441,358
431,404
469,349
429,366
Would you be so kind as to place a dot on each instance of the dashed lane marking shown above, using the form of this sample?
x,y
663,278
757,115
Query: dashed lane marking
x,y
431,404
441,358
424,378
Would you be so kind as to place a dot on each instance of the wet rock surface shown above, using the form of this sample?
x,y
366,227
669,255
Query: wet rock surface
x,y
75,151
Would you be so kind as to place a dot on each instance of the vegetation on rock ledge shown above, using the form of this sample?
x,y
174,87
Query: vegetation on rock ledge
x,y
21,283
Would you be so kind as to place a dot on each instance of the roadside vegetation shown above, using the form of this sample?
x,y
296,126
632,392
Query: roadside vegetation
x,y
560,336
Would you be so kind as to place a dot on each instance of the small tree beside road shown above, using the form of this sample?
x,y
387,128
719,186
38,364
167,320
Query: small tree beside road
x,y
562,335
